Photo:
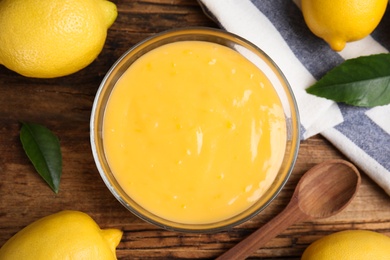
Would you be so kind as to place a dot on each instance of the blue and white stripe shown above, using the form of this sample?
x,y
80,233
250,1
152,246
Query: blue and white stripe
x,y
278,28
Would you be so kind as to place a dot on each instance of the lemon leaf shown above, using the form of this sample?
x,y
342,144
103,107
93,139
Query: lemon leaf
x,y
363,81
43,149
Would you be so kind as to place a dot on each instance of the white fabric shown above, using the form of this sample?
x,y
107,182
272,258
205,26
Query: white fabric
x,y
362,134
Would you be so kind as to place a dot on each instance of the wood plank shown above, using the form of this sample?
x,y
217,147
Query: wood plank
x,y
64,105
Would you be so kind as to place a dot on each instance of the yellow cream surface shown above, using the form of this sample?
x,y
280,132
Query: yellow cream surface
x,y
194,132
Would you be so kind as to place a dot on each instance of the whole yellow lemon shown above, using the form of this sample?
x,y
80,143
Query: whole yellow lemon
x,y
342,21
64,235
350,245
52,38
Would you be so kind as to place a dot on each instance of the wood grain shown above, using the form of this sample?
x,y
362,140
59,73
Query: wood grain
x,y
314,197
64,106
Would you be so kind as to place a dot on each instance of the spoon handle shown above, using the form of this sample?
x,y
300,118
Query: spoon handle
x,y
290,215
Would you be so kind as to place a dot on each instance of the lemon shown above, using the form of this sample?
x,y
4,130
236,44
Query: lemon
x,y
350,245
342,21
64,235
52,38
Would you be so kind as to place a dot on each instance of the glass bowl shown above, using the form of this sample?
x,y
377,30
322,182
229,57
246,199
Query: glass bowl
x,y
250,52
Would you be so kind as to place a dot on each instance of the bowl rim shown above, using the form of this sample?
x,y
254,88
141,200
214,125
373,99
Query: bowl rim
x,y
180,227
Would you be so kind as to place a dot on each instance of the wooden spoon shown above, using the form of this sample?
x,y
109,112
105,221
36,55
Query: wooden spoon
x,y
323,191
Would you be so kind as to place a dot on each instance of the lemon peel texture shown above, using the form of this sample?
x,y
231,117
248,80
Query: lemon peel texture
x,y
53,38
350,245
64,235
342,21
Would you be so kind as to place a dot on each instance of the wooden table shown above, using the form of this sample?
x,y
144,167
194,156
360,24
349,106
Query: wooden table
x,y
64,106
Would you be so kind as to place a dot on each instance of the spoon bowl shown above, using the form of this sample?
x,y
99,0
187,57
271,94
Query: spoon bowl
x,y
327,188
323,191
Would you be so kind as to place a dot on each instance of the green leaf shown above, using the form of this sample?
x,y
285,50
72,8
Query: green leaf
x,y
363,81
43,149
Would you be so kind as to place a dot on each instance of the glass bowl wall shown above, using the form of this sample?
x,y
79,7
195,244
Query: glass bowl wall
x,y
248,50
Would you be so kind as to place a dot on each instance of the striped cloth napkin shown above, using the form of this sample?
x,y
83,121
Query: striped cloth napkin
x,y
278,28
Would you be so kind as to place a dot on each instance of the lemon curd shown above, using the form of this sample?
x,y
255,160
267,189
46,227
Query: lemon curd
x,y
194,132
